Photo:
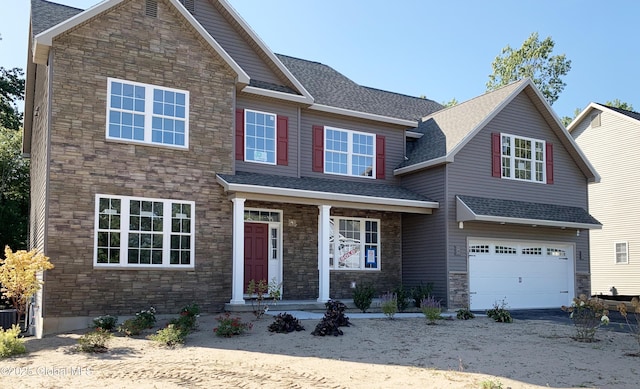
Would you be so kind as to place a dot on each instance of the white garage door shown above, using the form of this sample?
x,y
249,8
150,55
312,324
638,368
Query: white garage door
x,y
523,274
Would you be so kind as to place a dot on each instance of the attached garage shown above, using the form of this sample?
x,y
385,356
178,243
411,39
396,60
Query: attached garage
x,y
523,274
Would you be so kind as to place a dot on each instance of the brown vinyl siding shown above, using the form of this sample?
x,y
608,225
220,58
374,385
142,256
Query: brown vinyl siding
x,y
394,143
234,43
83,163
246,101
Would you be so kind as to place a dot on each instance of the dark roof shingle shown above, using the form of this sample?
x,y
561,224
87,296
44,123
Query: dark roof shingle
x,y
631,114
45,14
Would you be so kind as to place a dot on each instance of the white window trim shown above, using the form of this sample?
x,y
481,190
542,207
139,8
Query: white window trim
x,y
124,234
512,157
148,114
336,231
350,153
626,252
275,137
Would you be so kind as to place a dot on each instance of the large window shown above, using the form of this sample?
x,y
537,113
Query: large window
x,y
355,244
147,114
349,153
523,158
260,137
133,231
621,252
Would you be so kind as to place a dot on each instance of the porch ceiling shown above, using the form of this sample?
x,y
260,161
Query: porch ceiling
x,y
322,191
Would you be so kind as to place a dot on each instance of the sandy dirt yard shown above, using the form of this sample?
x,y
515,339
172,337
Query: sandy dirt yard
x,y
373,353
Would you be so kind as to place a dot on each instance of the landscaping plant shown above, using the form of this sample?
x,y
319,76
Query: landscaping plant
x,y
333,319
143,320
363,296
464,314
262,291
633,324
500,313
402,297
170,336
431,309
389,304
421,292
284,323
230,326
106,322
587,314
18,276
95,341
10,344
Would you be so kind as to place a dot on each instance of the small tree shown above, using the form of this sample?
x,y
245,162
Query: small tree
x,y
18,276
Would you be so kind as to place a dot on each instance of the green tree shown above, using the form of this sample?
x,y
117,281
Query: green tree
x,y
11,91
14,190
450,103
566,120
619,104
533,60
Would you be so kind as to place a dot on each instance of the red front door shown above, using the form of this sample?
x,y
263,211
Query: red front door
x,y
256,252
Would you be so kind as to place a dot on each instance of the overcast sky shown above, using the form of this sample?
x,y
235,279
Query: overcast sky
x,y
440,49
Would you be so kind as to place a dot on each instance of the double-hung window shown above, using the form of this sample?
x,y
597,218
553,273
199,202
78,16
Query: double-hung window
x,y
146,113
354,244
522,158
349,153
621,252
260,137
144,232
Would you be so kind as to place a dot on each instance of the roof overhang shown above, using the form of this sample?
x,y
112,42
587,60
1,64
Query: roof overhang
x,y
307,100
310,197
424,165
464,212
364,115
44,40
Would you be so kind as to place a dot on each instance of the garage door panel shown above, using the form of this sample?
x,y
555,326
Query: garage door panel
x,y
528,275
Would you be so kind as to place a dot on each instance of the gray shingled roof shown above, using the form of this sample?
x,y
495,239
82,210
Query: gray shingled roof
x,y
631,114
326,85
45,14
445,129
324,185
329,87
527,210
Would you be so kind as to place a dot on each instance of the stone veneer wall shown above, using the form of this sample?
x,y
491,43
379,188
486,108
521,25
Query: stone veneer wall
x,y
583,284
125,43
300,252
458,290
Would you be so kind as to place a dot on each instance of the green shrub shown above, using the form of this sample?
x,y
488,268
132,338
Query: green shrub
x,y
169,336
421,292
10,344
184,323
143,320
500,313
363,296
230,326
402,296
190,310
588,314
94,341
431,309
106,322
389,304
464,314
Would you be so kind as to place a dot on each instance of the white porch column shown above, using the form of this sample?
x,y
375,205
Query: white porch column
x,y
237,282
323,253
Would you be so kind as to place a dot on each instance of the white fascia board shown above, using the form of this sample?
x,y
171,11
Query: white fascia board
x,y
536,222
309,194
423,165
44,40
278,95
413,134
265,48
364,115
582,115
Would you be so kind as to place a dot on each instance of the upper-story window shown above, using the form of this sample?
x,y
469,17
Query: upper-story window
x,y
621,252
522,158
260,137
146,113
349,153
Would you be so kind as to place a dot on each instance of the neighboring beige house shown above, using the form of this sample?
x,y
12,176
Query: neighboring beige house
x,y
609,138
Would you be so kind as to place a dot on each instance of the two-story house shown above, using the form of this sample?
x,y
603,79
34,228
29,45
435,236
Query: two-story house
x,y
175,158
608,137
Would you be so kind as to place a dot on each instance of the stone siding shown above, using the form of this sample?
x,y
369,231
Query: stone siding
x,y
583,284
458,290
125,43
